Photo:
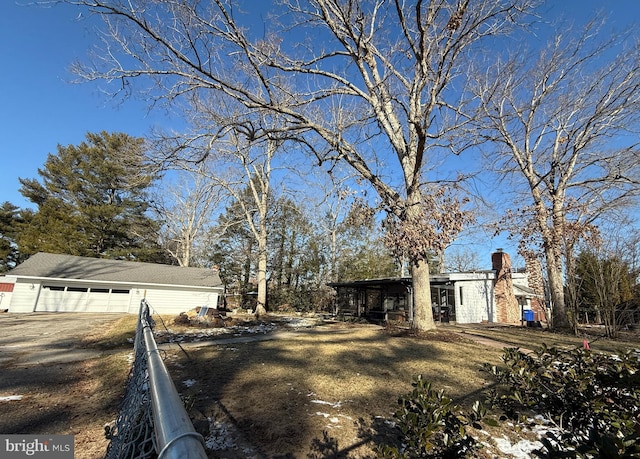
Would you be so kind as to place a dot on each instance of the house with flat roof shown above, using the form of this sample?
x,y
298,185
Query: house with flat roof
x,y
498,295
65,283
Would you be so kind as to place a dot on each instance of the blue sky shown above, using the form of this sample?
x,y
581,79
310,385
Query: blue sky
x,y
41,108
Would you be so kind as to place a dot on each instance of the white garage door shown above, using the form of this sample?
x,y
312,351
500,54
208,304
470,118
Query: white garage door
x,y
58,298
97,300
75,299
51,298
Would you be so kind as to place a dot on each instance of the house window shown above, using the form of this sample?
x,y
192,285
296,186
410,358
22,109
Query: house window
x,y
461,297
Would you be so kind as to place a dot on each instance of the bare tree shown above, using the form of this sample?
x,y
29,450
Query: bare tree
x,y
234,153
336,194
243,168
256,209
185,209
560,120
462,259
376,84
608,277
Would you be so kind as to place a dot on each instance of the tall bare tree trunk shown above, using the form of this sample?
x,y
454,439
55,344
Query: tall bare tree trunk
x,y
559,320
262,199
261,307
422,313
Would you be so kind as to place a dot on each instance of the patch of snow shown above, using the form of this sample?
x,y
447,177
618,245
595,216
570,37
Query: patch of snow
x,y
301,322
385,421
334,421
332,405
222,436
189,382
520,450
10,398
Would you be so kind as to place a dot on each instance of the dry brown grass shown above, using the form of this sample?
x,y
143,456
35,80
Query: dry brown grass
x,y
340,379
305,393
533,337
73,398
119,334
98,397
296,396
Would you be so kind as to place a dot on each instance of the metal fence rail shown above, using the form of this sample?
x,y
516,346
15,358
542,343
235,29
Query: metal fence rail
x,y
152,422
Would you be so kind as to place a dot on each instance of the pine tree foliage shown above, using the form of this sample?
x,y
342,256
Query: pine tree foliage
x,y
10,221
92,200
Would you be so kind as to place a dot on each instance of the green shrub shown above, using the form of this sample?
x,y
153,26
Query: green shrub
x,y
430,426
593,397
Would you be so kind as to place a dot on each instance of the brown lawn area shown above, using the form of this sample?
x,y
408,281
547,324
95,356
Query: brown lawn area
x,y
325,391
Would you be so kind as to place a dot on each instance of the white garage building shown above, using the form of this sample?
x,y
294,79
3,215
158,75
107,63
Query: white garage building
x,y
65,283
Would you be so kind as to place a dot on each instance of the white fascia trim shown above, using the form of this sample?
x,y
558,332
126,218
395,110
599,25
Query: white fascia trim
x,y
103,282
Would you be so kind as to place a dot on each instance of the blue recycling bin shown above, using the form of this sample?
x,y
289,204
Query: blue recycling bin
x,y
527,315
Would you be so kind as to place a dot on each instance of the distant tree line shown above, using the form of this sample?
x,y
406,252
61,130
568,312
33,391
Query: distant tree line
x,y
104,198
107,197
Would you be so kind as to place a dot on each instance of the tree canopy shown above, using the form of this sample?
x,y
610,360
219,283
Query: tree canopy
x,y
10,221
376,92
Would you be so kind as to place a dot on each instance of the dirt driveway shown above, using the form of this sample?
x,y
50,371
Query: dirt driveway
x,y
51,382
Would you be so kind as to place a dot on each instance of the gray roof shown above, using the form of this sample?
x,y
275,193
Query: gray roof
x,y
57,266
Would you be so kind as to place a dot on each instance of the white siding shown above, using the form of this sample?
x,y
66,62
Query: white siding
x,y
24,297
477,301
109,298
5,300
76,295
174,301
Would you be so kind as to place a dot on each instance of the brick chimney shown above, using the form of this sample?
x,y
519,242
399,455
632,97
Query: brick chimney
x,y
507,308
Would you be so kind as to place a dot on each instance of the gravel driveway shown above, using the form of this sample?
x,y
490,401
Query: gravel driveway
x,y
48,381
47,338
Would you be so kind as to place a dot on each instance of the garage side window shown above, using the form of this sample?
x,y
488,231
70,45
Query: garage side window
x,y
124,292
55,288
